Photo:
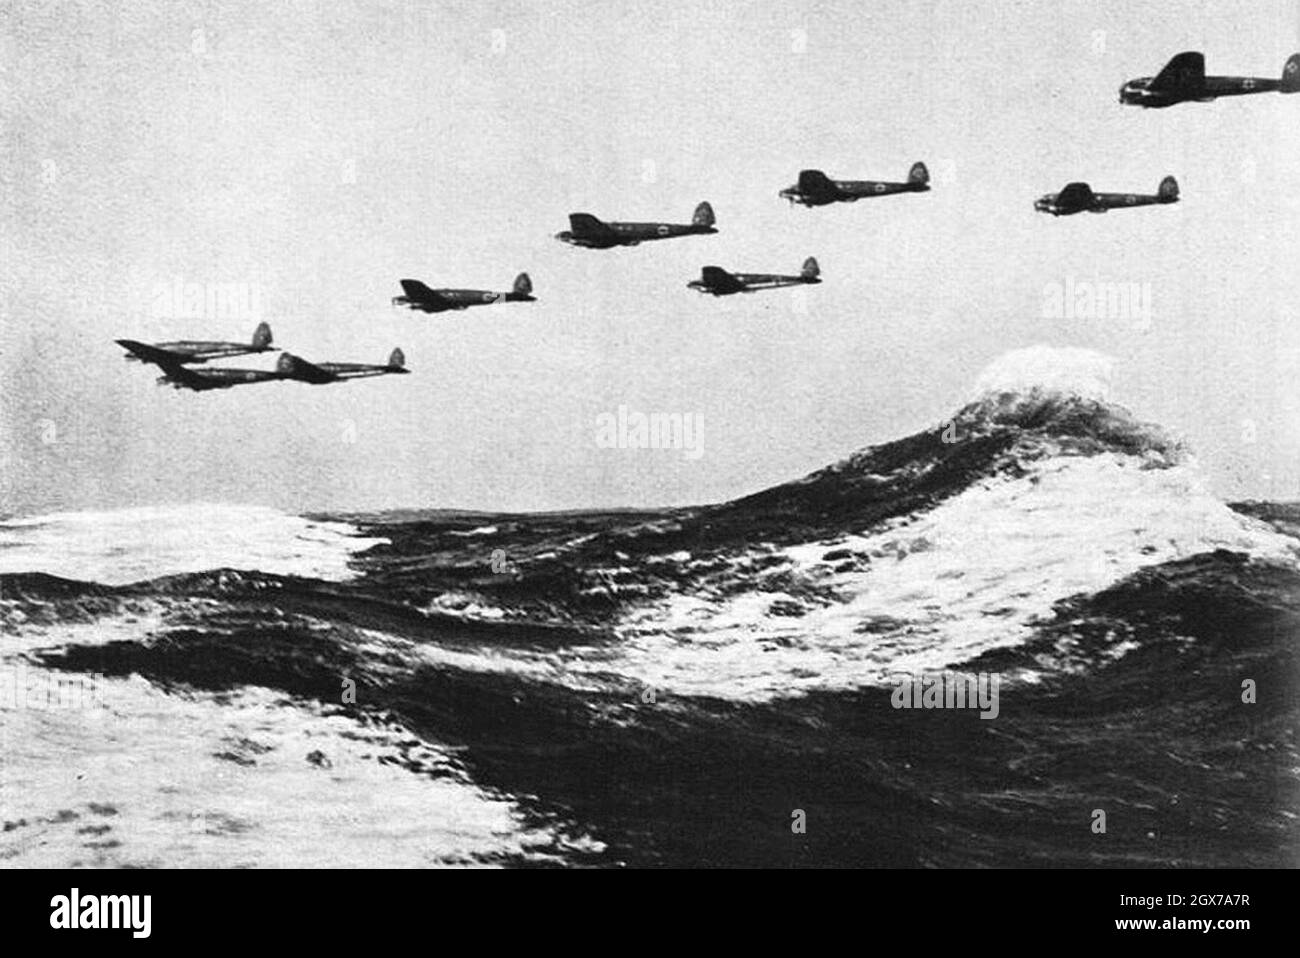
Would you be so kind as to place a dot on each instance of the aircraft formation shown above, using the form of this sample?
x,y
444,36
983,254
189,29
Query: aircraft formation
x,y
1182,80
175,359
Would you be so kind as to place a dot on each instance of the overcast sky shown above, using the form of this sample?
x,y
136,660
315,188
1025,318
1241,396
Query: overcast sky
x,y
316,153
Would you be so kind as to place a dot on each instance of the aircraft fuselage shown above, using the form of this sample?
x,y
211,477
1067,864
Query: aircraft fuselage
x,y
200,380
1138,93
751,282
850,191
339,371
630,234
1100,203
460,299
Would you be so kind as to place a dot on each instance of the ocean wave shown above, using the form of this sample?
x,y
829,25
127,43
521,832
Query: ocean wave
x,y
138,544
575,687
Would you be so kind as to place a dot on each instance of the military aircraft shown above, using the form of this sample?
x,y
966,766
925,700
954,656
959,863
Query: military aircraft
x,y
295,367
586,230
1183,79
192,351
719,282
201,380
421,297
1078,197
288,366
815,188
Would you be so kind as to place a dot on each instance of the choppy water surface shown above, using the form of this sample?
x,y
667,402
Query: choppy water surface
x,y
668,687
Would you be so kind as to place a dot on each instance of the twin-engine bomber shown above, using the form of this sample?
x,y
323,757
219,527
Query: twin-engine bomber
x,y
196,351
586,230
416,295
319,374
720,282
202,380
1183,80
815,188
1079,197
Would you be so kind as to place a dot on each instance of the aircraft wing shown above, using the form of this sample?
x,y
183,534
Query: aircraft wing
x,y
719,280
179,377
1077,195
152,354
309,372
816,185
586,225
1183,71
421,295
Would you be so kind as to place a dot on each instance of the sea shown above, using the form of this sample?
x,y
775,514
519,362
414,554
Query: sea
x,y
217,685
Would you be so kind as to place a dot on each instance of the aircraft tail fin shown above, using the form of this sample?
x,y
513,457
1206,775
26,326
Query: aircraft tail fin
x,y
918,175
262,336
703,215
397,359
1291,75
287,364
1168,191
523,285
810,269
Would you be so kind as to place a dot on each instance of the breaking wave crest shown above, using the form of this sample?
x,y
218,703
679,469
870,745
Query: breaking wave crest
x,y
555,687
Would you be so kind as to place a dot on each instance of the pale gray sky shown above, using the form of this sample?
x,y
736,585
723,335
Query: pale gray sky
x,y
320,152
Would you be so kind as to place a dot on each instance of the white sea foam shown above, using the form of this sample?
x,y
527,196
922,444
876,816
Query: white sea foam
x,y
130,545
970,575
136,776
157,779
924,592
1065,371
936,589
